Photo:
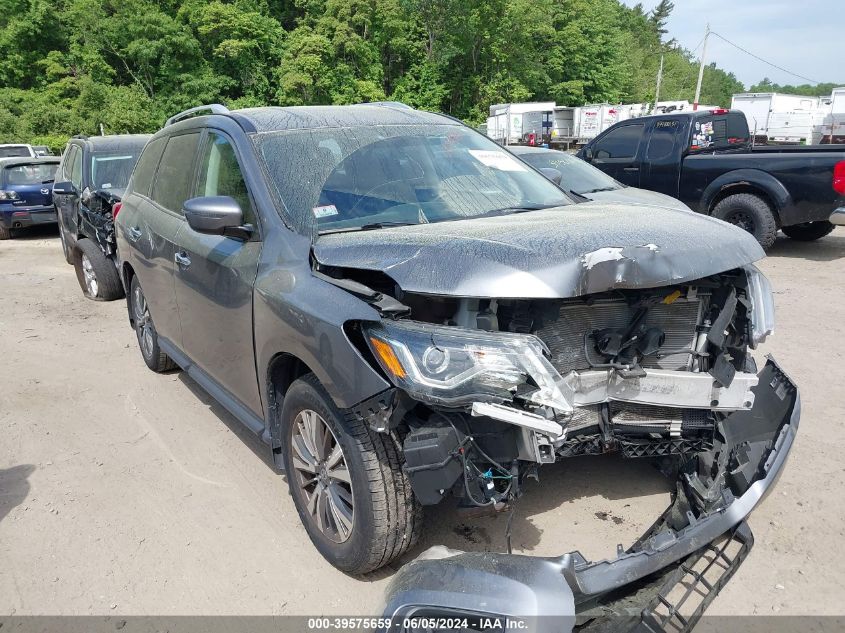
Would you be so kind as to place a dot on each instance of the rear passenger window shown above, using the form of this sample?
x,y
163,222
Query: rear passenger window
x,y
173,180
719,131
662,141
620,143
76,168
142,177
220,174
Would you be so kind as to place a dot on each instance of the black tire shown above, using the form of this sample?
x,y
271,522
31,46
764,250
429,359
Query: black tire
x,y
5,234
95,272
67,247
751,213
155,359
808,231
386,517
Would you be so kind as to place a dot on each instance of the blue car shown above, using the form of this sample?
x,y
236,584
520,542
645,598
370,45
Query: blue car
x,y
26,193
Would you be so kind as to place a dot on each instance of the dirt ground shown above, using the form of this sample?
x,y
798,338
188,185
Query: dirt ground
x,y
127,492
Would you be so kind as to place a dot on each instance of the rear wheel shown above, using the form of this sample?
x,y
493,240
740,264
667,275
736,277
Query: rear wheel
x,y
347,482
95,272
67,249
808,231
750,213
145,330
5,234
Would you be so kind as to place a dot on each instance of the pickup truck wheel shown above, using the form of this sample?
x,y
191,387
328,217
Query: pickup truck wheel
x,y
5,234
95,272
346,481
145,330
808,231
751,213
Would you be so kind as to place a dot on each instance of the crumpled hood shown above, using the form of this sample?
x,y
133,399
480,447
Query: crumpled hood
x,y
554,253
633,195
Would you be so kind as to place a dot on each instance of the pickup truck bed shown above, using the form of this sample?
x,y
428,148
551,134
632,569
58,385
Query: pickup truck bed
x,y
705,160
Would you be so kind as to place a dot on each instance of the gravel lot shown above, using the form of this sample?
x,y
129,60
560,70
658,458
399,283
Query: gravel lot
x,y
127,492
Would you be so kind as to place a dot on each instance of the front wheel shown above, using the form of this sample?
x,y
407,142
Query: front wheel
x,y
95,272
750,213
808,231
347,482
145,330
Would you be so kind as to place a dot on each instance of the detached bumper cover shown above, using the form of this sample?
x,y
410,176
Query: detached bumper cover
x,y
706,509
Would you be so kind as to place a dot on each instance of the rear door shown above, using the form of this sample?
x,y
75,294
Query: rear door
x,y
66,203
616,152
664,144
214,280
152,222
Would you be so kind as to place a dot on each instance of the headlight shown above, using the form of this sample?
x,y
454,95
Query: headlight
x,y
8,195
762,305
453,366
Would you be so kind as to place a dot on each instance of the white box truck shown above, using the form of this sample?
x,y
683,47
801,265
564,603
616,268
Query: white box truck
x,y
505,121
759,106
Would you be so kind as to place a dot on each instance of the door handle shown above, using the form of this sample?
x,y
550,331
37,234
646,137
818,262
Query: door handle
x,y
133,233
630,169
182,259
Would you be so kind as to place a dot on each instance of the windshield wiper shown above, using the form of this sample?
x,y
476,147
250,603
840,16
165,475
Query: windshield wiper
x,y
369,227
597,190
512,210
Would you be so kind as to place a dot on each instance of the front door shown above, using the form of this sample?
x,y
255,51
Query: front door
x,y
616,153
214,281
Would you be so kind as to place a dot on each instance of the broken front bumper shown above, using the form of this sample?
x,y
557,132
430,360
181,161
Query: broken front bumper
x,y
706,521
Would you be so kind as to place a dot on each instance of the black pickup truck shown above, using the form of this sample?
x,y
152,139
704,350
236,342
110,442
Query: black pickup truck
x,y
706,160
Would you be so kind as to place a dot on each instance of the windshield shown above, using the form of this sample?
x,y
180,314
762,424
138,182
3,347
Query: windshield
x,y
9,151
111,170
351,178
35,174
577,176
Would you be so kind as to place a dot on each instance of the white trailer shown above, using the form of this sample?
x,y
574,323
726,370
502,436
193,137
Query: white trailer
x,y
832,128
505,120
797,127
759,106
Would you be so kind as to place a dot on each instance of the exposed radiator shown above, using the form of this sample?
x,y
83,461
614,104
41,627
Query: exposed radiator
x,y
564,336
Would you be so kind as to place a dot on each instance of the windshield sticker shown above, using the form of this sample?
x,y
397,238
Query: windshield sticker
x,y
496,160
324,211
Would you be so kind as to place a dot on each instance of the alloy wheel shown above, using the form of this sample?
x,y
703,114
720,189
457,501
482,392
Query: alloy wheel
x,y
90,276
742,220
320,469
143,323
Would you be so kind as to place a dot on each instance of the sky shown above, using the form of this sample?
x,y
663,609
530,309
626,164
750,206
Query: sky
x,y
804,37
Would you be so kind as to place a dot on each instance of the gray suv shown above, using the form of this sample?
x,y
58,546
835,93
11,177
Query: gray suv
x,y
404,312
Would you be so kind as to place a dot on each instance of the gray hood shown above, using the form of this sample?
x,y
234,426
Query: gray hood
x,y
633,195
554,253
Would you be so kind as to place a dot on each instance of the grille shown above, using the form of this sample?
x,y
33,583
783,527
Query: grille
x,y
564,336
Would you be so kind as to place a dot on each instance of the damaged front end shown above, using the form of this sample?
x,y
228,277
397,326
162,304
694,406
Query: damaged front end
x,y
488,390
665,580
96,217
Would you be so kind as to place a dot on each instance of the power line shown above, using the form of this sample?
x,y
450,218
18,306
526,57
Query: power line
x,y
788,72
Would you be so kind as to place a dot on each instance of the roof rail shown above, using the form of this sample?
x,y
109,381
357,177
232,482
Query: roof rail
x,y
211,108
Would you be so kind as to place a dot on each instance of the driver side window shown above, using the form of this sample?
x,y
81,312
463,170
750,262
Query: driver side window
x,y
620,143
220,174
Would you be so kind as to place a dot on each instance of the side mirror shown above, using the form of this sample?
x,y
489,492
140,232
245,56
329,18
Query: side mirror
x,y
64,188
588,153
216,215
552,174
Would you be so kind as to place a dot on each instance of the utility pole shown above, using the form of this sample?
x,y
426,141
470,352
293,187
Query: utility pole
x,y
701,68
659,81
